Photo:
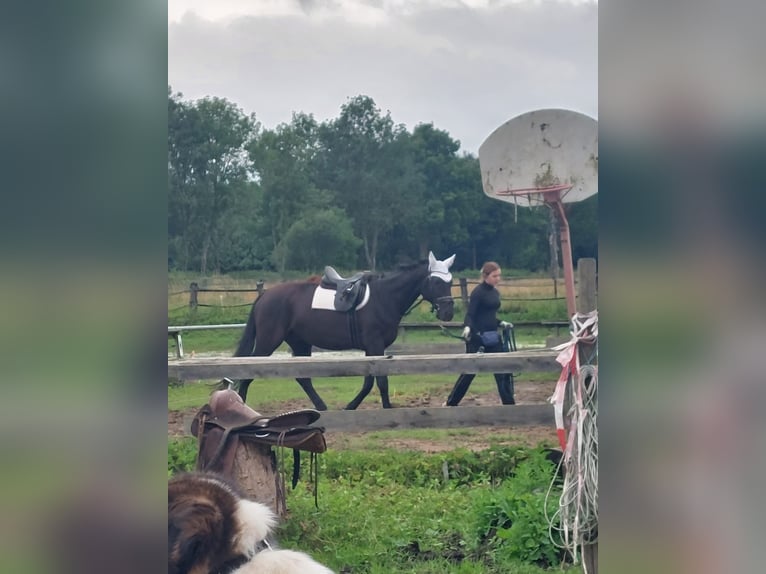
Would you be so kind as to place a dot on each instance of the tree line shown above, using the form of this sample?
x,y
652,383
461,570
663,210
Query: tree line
x,y
357,192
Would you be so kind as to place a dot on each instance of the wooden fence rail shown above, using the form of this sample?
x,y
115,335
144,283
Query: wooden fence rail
x,y
405,418
270,367
176,331
462,286
399,418
437,417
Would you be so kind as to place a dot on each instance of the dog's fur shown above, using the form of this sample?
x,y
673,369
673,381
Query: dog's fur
x,y
282,562
214,529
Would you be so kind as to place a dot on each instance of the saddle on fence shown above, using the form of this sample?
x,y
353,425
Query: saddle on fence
x,y
348,291
226,419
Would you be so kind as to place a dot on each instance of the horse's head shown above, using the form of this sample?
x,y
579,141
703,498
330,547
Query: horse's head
x,y
438,287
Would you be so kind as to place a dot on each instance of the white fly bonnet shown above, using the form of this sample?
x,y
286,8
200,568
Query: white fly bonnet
x,y
440,269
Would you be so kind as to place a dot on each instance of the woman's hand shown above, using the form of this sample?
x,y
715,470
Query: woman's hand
x,y
466,333
506,325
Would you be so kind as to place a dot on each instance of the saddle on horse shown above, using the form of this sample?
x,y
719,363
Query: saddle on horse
x,y
226,419
348,291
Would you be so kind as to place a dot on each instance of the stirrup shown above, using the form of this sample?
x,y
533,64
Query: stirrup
x,y
229,383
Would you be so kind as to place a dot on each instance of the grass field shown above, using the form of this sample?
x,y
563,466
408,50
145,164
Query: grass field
x,y
384,504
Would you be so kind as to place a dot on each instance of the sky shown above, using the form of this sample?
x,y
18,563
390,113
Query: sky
x,y
466,66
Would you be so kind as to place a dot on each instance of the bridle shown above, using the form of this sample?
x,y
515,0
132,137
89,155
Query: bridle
x,y
434,304
439,300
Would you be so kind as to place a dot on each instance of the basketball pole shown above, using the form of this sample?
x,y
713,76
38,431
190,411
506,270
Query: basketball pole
x,y
553,199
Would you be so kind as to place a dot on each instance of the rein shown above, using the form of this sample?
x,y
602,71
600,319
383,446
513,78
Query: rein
x,y
434,305
417,302
446,332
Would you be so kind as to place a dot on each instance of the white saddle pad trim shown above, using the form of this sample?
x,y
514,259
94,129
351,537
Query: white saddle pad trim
x,y
325,299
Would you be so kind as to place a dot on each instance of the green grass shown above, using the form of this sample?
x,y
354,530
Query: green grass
x,y
394,512
268,395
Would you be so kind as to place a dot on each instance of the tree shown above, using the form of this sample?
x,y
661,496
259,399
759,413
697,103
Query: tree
x,y
184,139
284,160
227,169
321,238
207,169
366,165
583,227
433,154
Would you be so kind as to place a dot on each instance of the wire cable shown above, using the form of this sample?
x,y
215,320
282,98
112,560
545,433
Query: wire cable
x,y
574,523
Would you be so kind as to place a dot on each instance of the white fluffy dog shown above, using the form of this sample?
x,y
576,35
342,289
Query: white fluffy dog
x,y
212,528
282,562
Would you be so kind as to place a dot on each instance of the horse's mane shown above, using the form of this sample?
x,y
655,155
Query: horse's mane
x,y
400,268
411,265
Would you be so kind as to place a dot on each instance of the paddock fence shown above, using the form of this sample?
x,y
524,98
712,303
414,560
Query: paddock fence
x,y
451,363
397,418
176,332
461,289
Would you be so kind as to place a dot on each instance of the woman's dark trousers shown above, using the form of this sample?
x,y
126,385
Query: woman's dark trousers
x,y
504,380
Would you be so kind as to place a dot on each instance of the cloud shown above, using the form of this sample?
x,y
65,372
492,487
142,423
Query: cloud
x,y
467,69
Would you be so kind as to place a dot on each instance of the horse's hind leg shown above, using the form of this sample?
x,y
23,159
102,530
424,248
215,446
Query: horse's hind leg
x,y
265,349
308,388
241,386
383,388
304,350
366,388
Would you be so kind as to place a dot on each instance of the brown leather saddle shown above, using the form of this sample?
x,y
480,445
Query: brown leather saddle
x,y
226,419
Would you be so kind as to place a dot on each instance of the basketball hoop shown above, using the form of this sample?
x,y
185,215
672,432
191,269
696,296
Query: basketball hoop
x,y
544,157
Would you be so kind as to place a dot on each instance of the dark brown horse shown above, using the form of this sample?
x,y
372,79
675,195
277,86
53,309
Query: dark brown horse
x,y
284,313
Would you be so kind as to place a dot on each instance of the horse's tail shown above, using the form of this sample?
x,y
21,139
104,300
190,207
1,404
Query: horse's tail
x,y
247,341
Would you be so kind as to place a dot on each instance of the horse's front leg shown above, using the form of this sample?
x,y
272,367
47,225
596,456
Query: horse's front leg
x,y
365,390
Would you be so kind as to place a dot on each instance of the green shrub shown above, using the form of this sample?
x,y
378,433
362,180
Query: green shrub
x,y
463,467
182,455
511,520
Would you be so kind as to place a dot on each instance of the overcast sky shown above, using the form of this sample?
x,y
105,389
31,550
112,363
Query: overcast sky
x,y
466,66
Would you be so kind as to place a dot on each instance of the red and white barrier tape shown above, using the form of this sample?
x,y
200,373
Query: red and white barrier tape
x,y
585,329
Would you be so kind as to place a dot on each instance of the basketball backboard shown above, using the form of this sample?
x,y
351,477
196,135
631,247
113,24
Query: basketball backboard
x,y
542,150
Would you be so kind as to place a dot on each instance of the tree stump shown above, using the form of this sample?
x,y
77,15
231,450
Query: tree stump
x,y
255,471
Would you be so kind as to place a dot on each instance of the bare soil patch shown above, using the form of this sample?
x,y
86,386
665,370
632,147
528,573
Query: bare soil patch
x,y
526,393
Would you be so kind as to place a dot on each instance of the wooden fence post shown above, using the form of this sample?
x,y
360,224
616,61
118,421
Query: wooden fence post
x,y
586,282
193,288
464,291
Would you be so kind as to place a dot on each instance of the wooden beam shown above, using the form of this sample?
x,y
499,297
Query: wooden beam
x,y
270,367
445,417
501,416
413,349
586,296
426,348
